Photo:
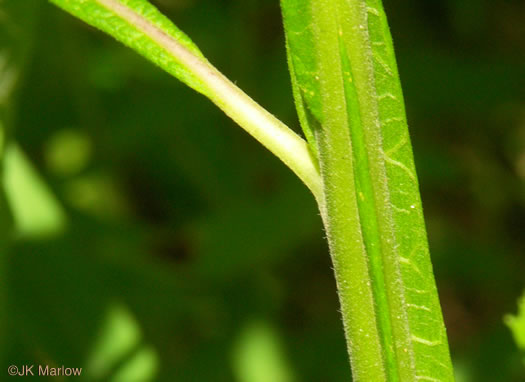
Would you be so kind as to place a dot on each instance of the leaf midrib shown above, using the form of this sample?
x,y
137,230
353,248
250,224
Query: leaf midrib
x,y
175,53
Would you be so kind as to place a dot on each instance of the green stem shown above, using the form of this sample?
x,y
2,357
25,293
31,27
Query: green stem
x,y
371,209
342,220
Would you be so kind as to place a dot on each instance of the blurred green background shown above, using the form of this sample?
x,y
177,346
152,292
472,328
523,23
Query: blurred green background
x,y
145,237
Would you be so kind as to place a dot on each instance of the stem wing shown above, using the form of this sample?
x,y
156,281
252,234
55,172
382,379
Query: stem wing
x,y
342,60
300,38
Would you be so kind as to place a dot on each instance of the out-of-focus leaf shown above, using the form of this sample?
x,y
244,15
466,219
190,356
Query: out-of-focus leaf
x,y
68,152
36,211
118,352
119,335
259,356
517,324
17,21
141,367
96,194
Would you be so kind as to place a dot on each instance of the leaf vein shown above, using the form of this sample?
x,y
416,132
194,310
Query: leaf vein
x,y
419,307
425,341
400,165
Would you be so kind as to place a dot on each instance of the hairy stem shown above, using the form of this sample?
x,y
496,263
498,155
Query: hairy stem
x,y
350,102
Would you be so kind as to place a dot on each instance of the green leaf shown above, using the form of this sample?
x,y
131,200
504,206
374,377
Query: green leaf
x,y
517,324
258,355
118,354
36,211
350,103
139,25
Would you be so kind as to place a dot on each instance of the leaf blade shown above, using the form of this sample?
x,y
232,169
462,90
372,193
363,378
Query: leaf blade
x,y
406,213
126,21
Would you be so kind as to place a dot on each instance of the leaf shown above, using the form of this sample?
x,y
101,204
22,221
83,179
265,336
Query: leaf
x,y
517,324
258,355
118,354
139,25
36,211
350,103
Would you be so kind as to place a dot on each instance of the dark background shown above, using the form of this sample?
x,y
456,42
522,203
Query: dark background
x,y
160,242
